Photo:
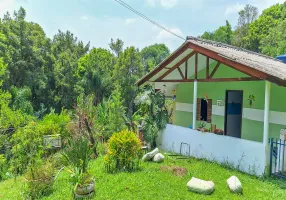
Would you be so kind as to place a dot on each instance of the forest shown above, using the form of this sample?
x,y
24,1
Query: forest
x,y
61,85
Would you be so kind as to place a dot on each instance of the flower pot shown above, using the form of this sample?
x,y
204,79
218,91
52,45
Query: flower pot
x,y
85,190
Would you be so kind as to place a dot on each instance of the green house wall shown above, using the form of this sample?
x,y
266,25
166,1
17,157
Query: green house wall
x,y
251,130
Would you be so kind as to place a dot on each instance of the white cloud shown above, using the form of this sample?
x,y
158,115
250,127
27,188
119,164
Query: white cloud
x,y
130,21
163,3
150,3
168,3
84,17
233,9
6,5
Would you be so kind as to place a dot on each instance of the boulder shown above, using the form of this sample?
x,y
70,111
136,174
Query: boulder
x,y
200,186
234,184
158,158
150,155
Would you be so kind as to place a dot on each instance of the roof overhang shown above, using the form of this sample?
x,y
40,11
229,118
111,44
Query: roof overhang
x,y
196,54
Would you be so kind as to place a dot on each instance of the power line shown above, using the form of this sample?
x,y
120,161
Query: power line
x,y
148,19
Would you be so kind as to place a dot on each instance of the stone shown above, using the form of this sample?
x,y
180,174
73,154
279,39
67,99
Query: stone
x,y
150,155
200,186
234,185
158,158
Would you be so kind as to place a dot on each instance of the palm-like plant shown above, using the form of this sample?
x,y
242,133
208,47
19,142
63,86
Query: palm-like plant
x,y
155,114
78,154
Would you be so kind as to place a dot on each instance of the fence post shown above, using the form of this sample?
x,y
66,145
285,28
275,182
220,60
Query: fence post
x,y
271,152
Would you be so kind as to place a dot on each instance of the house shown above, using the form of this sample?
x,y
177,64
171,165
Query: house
x,y
224,89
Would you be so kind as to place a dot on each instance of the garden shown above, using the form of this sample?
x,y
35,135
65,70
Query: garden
x,y
73,124
94,152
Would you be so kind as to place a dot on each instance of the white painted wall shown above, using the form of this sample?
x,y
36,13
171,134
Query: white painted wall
x,y
247,113
215,147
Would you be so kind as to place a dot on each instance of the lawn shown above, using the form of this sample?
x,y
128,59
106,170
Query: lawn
x,y
151,182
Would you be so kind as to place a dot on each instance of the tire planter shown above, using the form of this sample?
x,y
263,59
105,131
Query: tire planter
x,y
84,191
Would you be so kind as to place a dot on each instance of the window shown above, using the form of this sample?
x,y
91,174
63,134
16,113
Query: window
x,y
204,110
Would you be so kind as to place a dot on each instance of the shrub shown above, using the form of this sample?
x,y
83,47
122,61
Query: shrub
x,y
53,124
58,160
27,147
101,148
123,152
40,180
3,167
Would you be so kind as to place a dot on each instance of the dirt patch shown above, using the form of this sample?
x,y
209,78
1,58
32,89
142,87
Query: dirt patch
x,y
175,170
179,171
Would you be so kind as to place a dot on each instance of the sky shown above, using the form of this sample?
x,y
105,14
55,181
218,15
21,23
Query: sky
x,y
97,21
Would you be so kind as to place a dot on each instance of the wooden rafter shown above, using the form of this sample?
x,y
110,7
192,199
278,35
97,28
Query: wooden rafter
x,y
235,65
181,73
176,66
186,70
196,66
208,68
214,70
214,80
163,64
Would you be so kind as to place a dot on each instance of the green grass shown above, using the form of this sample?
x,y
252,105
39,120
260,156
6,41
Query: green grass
x,y
152,183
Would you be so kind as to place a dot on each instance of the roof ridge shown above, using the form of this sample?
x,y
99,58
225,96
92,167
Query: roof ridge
x,y
231,46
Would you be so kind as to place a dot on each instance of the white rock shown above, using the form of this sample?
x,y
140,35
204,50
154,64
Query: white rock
x,y
200,186
158,158
234,184
150,155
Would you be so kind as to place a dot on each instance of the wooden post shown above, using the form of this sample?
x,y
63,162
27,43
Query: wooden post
x,y
186,69
196,67
208,68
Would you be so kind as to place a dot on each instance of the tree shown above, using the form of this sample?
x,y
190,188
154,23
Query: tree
x,y
153,55
116,46
246,16
128,70
274,44
66,50
222,34
259,29
26,52
94,74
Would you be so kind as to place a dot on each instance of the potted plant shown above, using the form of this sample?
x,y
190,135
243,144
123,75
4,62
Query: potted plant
x,y
78,154
201,127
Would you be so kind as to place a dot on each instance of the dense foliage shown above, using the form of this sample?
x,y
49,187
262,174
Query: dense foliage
x,y
124,152
39,181
264,33
153,108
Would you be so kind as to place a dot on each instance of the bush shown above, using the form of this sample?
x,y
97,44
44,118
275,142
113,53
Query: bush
x,y
27,147
3,167
123,152
101,148
40,181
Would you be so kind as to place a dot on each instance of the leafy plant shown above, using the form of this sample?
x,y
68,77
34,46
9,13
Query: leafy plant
x,y
78,154
110,115
155,114
39,180
3,167
27,147
124,152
